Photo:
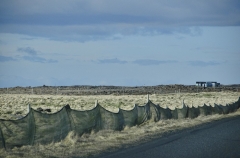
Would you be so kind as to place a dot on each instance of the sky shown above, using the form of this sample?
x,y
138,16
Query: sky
x,y
121,43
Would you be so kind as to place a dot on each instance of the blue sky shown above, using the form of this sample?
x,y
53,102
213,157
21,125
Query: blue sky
x,y
122,43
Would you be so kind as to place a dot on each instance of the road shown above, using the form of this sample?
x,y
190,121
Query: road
x,y
219,139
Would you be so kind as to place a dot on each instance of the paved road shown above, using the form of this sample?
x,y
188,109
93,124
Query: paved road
x,y
218,139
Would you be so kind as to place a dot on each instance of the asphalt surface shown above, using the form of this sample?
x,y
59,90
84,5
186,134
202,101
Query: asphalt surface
x,y
220,139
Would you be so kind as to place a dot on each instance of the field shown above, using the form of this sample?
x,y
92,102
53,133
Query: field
x,y
14,106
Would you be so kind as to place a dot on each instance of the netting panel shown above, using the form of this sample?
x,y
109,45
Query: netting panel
x,y
129,117
154,112
205,110
17,132
85,121
193,112
143,113
51,127
165,113
110,120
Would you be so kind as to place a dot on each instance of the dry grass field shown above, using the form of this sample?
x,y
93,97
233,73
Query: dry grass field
x,y
14,106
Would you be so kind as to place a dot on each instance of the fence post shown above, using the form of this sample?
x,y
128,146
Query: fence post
x,y
147,97
96,103
28,108
32,90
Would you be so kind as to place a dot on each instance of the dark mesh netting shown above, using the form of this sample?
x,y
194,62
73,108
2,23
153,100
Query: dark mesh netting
x,y
37,127
143,113
85,121
129,117
193,112
154,113
205,110
51,127
165,113
110,120
17,132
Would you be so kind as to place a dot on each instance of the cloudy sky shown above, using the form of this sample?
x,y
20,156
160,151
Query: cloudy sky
x,y
125,43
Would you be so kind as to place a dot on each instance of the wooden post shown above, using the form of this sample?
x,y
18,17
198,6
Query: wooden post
x,y
96,103
147,97
32,90
28,108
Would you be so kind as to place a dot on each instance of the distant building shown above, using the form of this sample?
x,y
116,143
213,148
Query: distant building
x,y
207,84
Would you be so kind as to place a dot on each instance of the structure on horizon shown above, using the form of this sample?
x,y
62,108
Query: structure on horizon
x,y
207,84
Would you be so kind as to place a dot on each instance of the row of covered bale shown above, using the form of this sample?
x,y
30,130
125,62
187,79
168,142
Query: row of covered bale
x,y
37,127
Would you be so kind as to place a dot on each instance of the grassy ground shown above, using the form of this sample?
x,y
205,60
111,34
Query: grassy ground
x,y
95,143
19,102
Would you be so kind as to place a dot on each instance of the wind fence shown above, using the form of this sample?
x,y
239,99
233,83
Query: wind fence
x,y
42,128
